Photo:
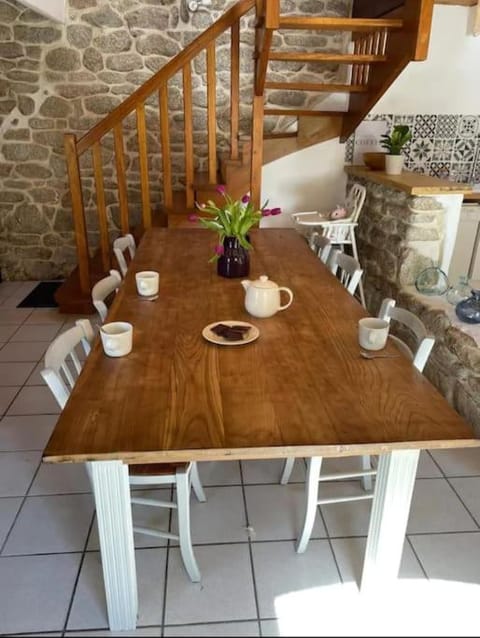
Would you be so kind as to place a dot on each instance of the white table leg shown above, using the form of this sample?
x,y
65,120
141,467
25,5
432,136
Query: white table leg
x,y
388,520
115,529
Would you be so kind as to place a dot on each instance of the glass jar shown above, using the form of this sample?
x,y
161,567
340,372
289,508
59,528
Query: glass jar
x,y
468,310
432,281
456,294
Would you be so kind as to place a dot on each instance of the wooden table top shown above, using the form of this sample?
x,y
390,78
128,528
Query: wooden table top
x,y
301,389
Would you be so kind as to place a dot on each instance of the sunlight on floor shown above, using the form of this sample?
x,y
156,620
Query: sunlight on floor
x,y
410,608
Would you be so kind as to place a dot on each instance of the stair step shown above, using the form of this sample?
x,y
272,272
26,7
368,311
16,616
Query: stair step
x,y
339,58
304,112
279,136
319,87
339,24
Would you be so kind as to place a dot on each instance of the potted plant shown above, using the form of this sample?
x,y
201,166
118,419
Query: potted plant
x,y
393,144
231,222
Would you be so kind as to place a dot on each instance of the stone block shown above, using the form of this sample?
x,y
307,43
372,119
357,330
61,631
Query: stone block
x,y
79,35
103,17
155,18
412,266
113,42
55,107
101,104
124,62
467,401
93,60
36,35
26,105
63,59
21,152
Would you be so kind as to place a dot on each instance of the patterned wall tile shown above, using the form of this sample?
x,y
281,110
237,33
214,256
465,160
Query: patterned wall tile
x,y
349,145
446,126
464,150
421,150
468,125
440,169
461,171
404,119
443,149
425,126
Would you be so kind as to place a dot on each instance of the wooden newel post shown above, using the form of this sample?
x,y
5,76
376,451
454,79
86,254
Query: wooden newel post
x,y
257,151
78,212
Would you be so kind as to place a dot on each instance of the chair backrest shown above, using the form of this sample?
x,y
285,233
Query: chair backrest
x,y
355,200
321,245
62,365
103,289
350,271
123,244
424,341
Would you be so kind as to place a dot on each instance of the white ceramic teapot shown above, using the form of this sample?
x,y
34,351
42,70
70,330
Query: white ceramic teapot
x,y
262,297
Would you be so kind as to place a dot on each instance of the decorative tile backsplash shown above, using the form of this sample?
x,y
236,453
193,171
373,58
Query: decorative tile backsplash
x,y
446,146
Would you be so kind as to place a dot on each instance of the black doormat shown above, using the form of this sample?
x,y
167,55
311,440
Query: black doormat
x,y
41,296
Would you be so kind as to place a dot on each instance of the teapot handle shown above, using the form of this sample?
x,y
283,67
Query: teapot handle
x,y
287,290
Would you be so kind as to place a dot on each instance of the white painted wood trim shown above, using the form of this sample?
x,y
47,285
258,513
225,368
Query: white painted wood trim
x,y
388,520
115,529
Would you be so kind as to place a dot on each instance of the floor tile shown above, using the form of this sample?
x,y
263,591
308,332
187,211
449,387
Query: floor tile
x,y
8,510
23,351
35,377
7,395
6,331
458,462
270,628
345,519
34,399
275,512
142,631
427,468
46,315
51,524
469,491
269,471
349,554
436,508
14,316
224,593
280,572
220,473
15,373
60,478
214,629
31,332
17,470
221,519
26,604
88,608
26,432
143,516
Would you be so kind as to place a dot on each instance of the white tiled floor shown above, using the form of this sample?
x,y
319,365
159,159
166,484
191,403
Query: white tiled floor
x,y
253,582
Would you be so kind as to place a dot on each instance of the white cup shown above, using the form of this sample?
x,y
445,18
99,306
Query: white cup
x,y
147,283
373,333
117,338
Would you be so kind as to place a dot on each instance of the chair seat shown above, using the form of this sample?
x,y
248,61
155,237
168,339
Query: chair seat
x,y
155,469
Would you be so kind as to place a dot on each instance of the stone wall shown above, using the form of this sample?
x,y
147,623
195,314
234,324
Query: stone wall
x,y
65,78
395,245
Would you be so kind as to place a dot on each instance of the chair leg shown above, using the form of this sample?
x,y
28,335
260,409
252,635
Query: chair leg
x,y
287,471
185,539
311,500
367,483
355,254
197,484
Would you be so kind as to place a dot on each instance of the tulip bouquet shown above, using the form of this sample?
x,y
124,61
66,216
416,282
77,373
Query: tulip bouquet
x,y
233,219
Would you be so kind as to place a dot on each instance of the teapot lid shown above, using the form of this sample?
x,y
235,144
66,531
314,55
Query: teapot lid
x,y
264,282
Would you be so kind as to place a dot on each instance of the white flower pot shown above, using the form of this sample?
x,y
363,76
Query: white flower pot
x,y
393,164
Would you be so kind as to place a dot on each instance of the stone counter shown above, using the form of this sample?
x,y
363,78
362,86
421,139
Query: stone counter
x,y
395,244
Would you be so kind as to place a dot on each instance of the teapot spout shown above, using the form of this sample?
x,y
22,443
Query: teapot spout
x,y
246,283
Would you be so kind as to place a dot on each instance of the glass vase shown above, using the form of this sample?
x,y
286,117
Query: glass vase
x,y
235,261
456,294
468,310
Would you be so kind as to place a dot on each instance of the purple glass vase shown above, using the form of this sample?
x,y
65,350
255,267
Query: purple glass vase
x,y
235,261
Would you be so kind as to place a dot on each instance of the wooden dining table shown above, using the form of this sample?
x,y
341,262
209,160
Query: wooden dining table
x,y
300,390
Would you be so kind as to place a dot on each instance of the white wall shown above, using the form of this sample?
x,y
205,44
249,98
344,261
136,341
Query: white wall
x,y
449,80
312,179
55,9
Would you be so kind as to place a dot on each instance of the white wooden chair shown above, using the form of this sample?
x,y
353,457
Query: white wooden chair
x,y
423,347
320,245
62,367
341,232
350,272
103,289
121,245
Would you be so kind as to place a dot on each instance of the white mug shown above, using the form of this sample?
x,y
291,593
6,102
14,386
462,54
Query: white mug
x,y
116,338
147,283
372,333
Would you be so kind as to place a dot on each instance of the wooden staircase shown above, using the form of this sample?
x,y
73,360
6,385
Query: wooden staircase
x,y
380,49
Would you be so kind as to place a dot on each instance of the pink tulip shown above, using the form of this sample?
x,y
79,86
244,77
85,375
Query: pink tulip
x,y
219,249
266,212
276,211
193,218
221,189
245,199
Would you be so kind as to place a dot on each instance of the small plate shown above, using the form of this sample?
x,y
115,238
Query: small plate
x,y
221,341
